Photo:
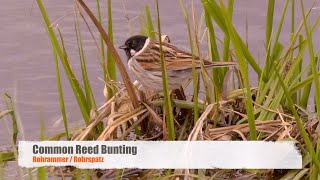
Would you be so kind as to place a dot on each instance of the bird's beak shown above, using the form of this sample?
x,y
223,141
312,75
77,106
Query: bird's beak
x,y
123,47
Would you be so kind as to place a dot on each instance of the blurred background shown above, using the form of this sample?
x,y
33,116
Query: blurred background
x,y
27,68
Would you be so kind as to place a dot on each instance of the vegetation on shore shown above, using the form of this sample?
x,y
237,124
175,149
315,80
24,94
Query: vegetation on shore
x,y
232,109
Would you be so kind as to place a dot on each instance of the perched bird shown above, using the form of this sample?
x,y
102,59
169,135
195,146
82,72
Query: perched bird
x,y
144,62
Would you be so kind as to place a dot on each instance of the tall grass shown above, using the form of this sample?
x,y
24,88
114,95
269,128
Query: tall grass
x,y
111,66
107,63
61,98
168,107
194,74
148,24
11,111
12,154
313,64
75,85
269,22
114,54
273,89
284,81
91,102
223,19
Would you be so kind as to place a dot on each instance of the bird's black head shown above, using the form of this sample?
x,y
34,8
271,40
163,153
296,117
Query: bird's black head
x,y
133,45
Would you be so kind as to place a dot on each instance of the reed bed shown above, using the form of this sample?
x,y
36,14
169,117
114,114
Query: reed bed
x,y
232,109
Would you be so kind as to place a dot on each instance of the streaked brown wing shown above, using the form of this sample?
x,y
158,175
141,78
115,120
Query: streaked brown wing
x,y
175,59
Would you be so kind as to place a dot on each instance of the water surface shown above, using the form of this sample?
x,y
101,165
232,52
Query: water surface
x,y
27,69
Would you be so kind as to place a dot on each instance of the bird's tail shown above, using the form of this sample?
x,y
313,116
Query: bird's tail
x,y
220,64
225,63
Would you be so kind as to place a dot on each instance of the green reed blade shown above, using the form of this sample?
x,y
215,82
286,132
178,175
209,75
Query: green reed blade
x,y
7,156
299,122
42,171
150,29
292,15
270,53
85,107
4,113
114,54
61,98
226,40
244,71
313,64
111,65
194,73
264,89
275,95
15,130
212,37
313,60
91,103
77,91
216,73
103,57
269,22
299,93
168,107
308,80
215,12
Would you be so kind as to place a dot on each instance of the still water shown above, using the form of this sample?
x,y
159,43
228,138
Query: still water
x,y
27,69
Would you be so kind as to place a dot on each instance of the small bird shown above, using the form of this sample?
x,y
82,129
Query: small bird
x,y
144,62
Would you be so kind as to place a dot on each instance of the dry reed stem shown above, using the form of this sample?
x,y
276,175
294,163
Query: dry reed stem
x,y
134,125
95,120
194,136
241,134
155,118
244,128
286,131
273,134
198,126
271,110
109,109
126,117
89,128
115,55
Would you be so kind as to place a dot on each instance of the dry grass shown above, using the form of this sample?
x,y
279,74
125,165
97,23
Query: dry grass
x,y
123,122
264,113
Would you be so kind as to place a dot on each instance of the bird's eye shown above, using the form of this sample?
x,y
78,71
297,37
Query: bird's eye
x,y
134,43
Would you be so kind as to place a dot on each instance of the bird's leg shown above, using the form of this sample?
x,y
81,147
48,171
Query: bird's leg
x,y
150,95
180,93
153,96
171,93
180,96
143,97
